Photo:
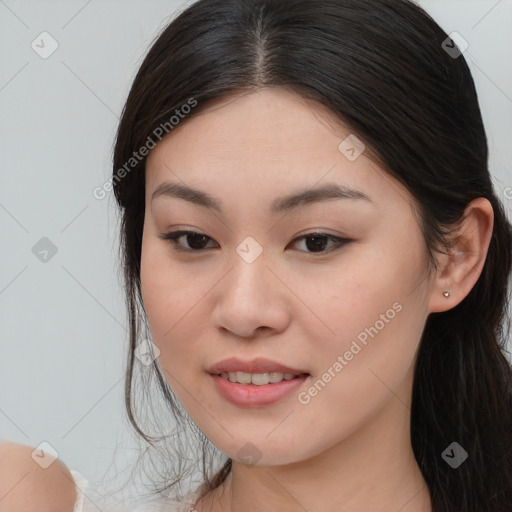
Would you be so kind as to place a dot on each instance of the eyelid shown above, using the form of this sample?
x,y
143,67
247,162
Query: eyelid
x,y
173,236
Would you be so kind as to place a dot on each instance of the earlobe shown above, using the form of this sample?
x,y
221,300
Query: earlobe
x,y
460,269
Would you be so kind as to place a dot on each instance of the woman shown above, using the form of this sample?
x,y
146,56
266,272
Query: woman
x,y
310,232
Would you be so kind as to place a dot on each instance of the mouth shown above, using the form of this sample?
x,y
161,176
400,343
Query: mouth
x,y
259,371
256,383
259,379
257,395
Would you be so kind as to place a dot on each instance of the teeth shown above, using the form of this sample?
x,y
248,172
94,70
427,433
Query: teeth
x,y
243,378
258,379
275,377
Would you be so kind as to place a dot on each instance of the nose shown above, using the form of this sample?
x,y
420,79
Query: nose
x,y
251,299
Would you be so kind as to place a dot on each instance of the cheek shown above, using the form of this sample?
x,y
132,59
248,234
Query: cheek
x,y
378,300
171,296
378,315
160,288
152,284
366,367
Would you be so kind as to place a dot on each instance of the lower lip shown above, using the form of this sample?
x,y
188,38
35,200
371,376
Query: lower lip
x,y
250,395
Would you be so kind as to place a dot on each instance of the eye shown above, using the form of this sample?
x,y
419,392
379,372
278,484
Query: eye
x,y
317,241
196,241
192,237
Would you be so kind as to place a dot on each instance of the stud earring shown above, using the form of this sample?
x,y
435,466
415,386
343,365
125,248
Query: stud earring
x,y
446,294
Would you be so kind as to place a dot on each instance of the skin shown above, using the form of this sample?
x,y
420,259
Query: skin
x,y
349,447
27,487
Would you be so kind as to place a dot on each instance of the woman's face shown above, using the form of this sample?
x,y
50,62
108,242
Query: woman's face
x,y
344,318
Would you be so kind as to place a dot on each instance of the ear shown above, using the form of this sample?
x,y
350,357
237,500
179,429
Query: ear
x,y
460,269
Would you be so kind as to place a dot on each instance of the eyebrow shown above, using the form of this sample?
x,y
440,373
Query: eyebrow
x,y
287,203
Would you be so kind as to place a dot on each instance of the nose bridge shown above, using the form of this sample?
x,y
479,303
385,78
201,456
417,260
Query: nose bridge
x,y
248,275
247,300
250,296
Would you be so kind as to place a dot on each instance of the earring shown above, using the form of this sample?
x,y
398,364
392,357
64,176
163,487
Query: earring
x,y
446,294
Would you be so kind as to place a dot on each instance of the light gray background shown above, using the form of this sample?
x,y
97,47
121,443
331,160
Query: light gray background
x,y
62,323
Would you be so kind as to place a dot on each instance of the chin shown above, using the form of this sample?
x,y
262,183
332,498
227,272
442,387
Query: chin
x,y
261,452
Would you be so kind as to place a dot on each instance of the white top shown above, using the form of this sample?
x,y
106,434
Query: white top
x,y
156,505
81,486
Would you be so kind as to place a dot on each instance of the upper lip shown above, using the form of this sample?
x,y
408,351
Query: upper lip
x,y
258,365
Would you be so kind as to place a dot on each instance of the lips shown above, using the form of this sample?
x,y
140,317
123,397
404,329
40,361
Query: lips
x,y
258,365
250,395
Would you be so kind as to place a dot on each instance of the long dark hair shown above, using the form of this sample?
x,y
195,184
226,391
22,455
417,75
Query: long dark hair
x,y
383,67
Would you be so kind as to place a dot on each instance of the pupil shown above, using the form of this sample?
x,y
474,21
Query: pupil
x,y
196,237
317,245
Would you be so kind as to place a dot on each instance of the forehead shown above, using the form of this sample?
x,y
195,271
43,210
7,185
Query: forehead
x,y
268,140
253,123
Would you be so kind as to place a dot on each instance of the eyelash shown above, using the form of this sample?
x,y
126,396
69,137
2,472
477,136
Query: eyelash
x,y
173,236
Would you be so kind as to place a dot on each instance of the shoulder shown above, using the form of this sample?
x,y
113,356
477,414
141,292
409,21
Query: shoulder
x,y
27,487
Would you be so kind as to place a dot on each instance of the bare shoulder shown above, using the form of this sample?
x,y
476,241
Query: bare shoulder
x,y
26,487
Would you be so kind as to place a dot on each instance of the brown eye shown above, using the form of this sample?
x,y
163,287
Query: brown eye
x,y
195,241
317,242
